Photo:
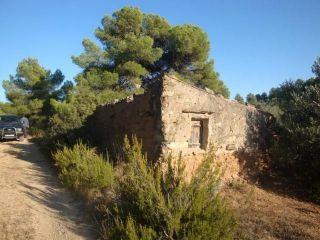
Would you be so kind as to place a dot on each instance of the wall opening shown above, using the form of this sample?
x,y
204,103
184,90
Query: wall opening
x,y
199,133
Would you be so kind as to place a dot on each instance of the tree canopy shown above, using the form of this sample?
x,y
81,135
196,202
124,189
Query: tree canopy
x,y
251,99
137,47
239,98
31,88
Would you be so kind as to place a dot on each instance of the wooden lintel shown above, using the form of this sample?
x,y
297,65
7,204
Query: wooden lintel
x,y
196,112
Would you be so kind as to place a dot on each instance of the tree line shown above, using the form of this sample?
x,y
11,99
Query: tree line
x,y
295,148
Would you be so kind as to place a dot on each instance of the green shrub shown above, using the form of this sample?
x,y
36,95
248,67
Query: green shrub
x,y
156,201
81,168
297,149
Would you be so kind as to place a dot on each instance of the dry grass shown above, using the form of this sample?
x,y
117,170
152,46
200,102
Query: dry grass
x,y
263,214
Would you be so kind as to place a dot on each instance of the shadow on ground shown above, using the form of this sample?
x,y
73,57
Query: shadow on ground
x,y
257,168
46,189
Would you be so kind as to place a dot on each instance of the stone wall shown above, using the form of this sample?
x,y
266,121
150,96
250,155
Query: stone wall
x,y
163,116
229,125
138,116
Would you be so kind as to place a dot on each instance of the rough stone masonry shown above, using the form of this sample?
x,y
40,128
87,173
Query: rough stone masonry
x,y
175,117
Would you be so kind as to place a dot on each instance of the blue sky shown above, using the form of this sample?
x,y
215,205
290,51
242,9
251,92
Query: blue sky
x,y
256,44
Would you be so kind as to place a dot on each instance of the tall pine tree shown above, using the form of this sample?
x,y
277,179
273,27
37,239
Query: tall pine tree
x,y
138,47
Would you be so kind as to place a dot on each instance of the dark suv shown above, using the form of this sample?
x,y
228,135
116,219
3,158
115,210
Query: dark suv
x,y
10,127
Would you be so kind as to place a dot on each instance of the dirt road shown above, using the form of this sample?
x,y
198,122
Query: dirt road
x,y
33,204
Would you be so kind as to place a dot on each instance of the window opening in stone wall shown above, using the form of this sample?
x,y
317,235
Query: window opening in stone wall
x,y
198,133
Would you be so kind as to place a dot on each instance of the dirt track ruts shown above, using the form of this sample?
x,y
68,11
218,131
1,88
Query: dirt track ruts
x,y
33,204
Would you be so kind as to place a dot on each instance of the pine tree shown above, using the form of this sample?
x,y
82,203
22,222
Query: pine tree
x,y
239,98
137,47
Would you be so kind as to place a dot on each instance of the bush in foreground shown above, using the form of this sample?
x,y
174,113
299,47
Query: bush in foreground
x,y
156,202
81,168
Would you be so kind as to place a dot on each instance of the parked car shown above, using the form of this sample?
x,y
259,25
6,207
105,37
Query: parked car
x,y
10,127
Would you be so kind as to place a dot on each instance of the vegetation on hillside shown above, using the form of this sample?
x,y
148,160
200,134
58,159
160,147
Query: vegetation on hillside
x,y
296,146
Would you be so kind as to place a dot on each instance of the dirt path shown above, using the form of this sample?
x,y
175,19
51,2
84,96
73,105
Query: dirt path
x,y
33,205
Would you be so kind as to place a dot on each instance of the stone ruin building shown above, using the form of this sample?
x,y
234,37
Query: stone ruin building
x,y
175,117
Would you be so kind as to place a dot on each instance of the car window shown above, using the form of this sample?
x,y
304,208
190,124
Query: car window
x,y
9,119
